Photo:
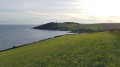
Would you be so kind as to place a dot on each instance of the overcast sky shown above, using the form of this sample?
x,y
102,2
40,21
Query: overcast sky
x,y
43,11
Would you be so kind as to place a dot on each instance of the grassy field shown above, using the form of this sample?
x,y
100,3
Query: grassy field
x,y
76,27
70,26
81,50
94,27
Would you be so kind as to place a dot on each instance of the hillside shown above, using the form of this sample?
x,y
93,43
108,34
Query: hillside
x,y
111,26
58,26
69,26
76,27
80,50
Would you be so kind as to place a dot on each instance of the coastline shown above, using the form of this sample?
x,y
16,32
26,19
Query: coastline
x,y
14,47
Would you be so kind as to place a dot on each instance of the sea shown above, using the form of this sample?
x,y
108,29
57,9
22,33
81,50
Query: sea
x,y
17,35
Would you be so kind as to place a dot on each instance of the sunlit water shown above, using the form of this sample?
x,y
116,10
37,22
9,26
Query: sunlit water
x,y
16,35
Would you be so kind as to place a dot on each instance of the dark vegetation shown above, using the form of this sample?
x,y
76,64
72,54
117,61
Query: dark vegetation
x,y
79,28
82,31
66,26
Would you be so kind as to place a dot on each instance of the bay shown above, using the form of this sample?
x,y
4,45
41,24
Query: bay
x,y
17,35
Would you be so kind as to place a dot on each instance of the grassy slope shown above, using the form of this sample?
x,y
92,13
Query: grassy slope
x,y
70,26
79,27
80,50
95,27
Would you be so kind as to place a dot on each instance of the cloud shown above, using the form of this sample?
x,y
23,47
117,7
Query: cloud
x,y
37,10
43,11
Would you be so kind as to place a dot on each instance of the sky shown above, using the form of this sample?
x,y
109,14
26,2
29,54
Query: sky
x,y
44,11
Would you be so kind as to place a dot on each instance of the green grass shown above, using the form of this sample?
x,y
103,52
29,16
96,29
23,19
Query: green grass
x,y
95,27
80,50
70,26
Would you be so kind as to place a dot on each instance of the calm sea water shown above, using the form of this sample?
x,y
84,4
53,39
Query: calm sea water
x,y
16,35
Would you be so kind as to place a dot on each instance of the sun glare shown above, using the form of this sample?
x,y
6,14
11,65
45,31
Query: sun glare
x,y
101,8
